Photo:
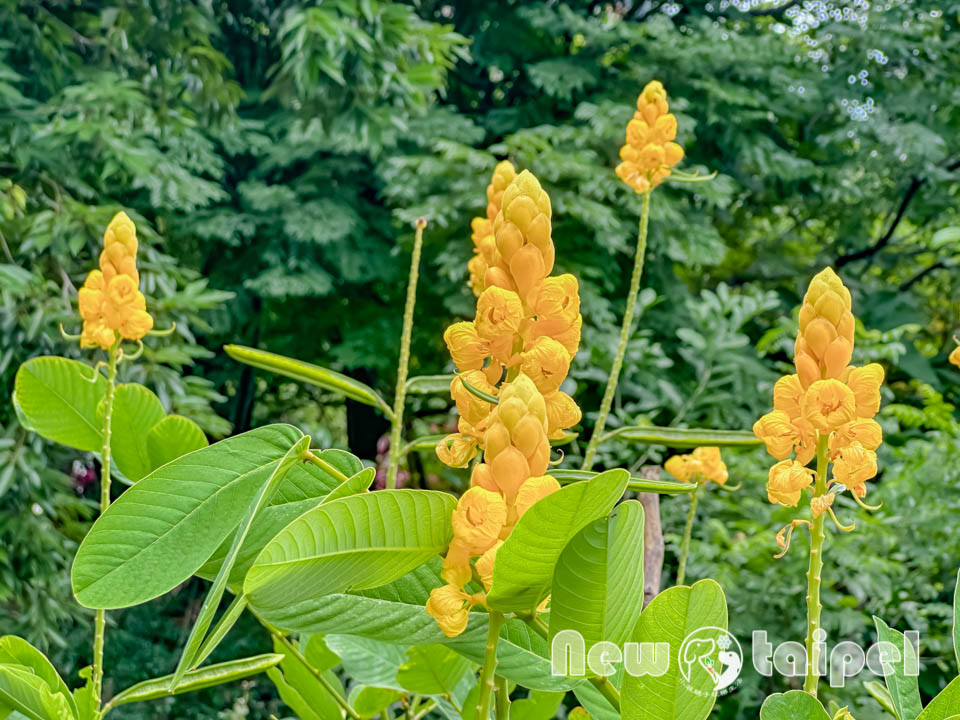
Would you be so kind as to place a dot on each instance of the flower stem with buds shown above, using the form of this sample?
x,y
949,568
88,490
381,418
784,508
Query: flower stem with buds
x,y
400,397
625,329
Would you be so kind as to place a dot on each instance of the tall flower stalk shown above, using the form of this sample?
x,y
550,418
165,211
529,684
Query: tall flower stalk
x,y
825,412
647,158
403,366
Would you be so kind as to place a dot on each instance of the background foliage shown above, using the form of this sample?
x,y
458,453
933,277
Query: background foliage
x,y
274,156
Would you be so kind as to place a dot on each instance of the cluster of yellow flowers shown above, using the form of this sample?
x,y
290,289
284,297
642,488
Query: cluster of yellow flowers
x,y
703,465
527,321
650,152
527,326
826,400
110,299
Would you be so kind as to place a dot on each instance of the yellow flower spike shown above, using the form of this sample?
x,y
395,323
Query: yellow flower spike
x,y
546,362
478,519
562,413
534,490
853,466
787,481
466,347
865,383
649,152
523,221
450,607
485,565
828,404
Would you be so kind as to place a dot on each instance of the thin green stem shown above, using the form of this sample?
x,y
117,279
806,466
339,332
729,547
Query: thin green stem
x,y
100,624
625,329
400,397
489,666
687,534
502,708
326,467
293,650
815,574
424,709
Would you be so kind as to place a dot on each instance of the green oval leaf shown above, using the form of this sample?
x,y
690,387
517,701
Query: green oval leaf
x,y
523,571
672,617
432,670
903,686
310,373
793,705
945,705
136,411
29,694
684,437
356,542
594,576
164,528
661,487
19,655
368,701
59,398
173,437
197,679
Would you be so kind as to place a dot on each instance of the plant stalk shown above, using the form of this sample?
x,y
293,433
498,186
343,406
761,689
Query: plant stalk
x,y
100,624
687,533
814,575
489,666
502,709
403,368
625,329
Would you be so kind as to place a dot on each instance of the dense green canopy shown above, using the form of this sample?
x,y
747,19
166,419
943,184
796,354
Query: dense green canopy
x,y
275,155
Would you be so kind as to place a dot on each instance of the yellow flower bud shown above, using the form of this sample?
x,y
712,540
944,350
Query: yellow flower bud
x,y
485,565
478,519
450,607
820,505
828,404
466,347
473,409
865,383
524,219
482,476
503,175
534,490
122,231
787,481
477,267
825,342
546,363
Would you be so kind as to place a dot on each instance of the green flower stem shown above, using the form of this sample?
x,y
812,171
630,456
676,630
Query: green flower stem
x,y
502,708
489,666
400,397
814,574
327,685
687,533
100,624
625,329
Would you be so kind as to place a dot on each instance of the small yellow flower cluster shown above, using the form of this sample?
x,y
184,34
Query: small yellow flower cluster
x,y
703,465
527,321
649,152
110,299
826,398
502,488
484,244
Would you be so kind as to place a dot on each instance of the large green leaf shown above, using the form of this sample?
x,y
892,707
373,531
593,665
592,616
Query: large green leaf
x,y
946,705
523,571
58,399
30,684
15,651
432,670
684,437
136,411
696,613
368,701
164,528
596,579
310,373
356,542
368,661
215,594
903,687
197,679
661,487
793,705
173,437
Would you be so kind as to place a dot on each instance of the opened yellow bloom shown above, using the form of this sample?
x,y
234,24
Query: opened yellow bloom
x,y
450,607
788,396
478,519
499,314
783,435
546,363
709,464
562,413
828,404
679,466
466,347
865,383
853,466
867,433
457,450
787,481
